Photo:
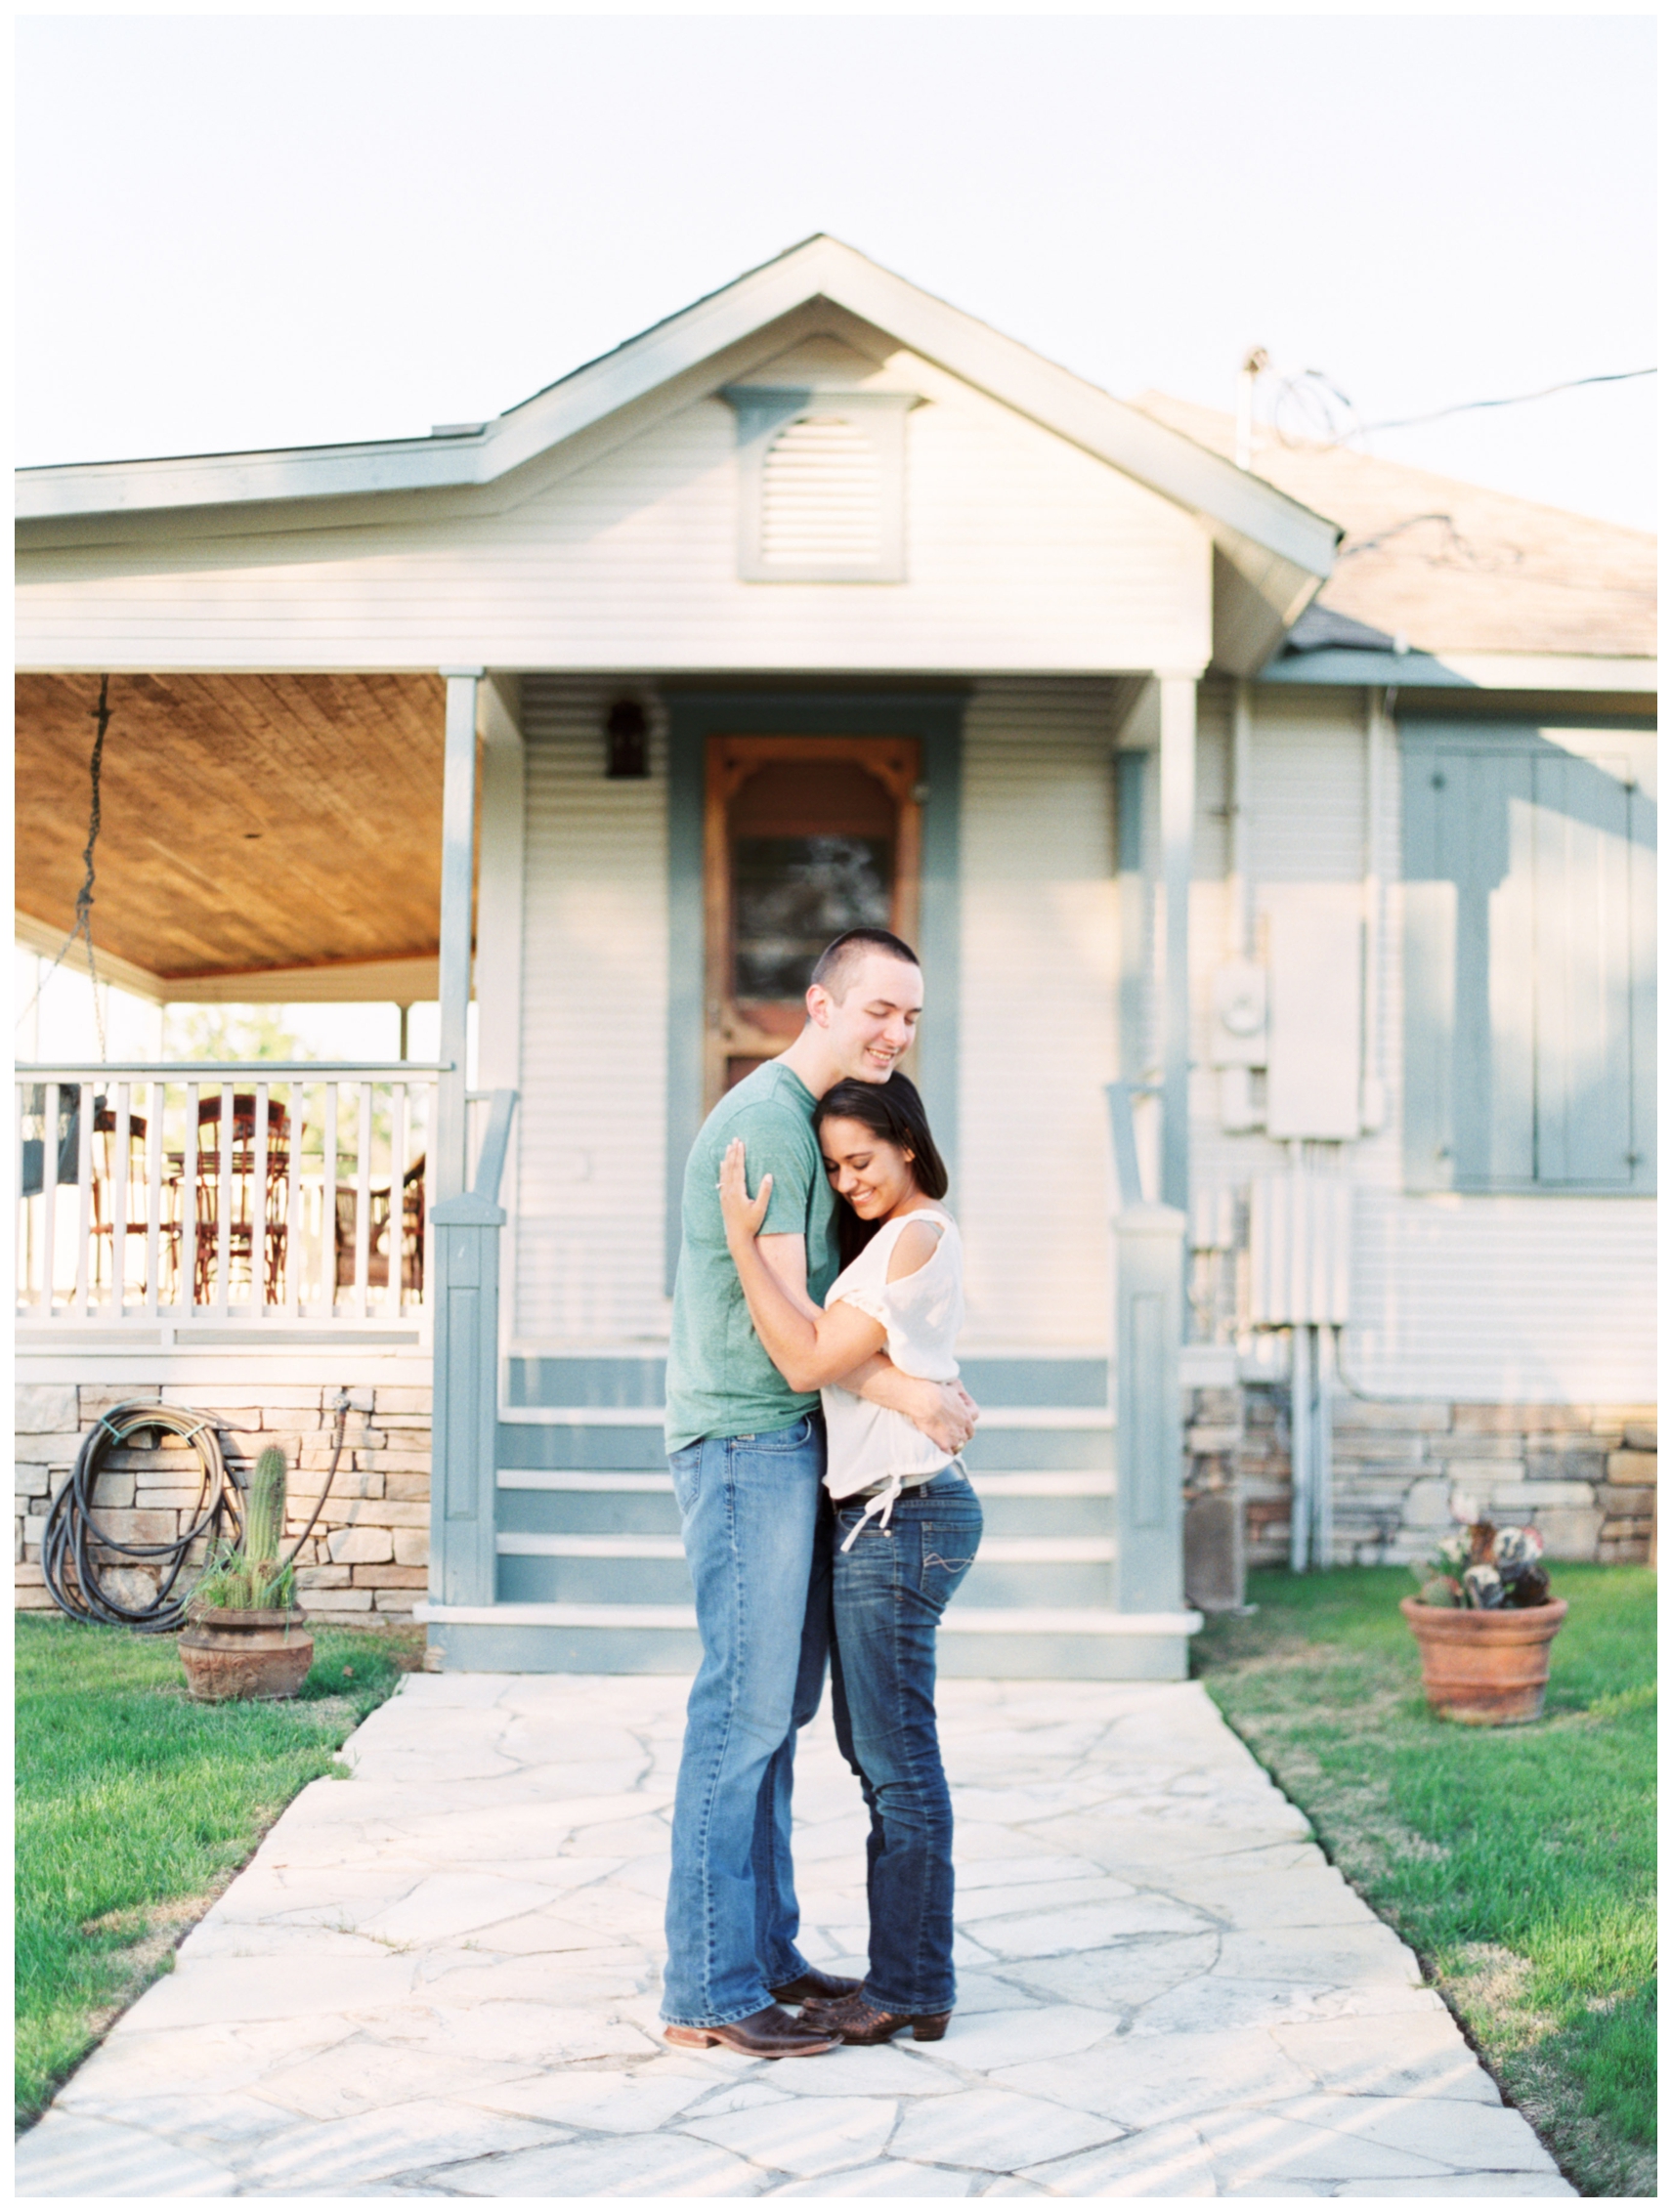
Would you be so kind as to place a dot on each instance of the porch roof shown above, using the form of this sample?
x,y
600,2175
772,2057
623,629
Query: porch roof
x,y
263,836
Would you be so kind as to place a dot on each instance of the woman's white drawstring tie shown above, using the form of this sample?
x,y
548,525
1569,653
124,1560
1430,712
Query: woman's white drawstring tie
x,y
882,1503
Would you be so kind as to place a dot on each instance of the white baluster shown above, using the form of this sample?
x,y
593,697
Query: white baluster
x,y
24,1255
189,1222
362,1203
119,1202
49,1198
328,1207
155,1090
223,1209
293,1211
258,1210
81,1303
396,1196
431,1090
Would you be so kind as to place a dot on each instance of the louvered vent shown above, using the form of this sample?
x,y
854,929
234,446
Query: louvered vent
x,y
820,498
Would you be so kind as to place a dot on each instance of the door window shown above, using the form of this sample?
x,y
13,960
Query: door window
x,y
806,837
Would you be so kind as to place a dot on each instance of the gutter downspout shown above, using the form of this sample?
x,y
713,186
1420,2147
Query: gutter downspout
x,y
1373,1090
1240,929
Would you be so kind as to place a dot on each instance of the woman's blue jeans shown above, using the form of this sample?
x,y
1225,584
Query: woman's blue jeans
x,y
887,1597
749,1509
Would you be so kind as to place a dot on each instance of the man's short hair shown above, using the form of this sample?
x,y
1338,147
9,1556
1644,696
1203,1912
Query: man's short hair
x,y
838,960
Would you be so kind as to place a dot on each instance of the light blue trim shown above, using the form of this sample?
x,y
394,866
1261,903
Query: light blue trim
x,y
1134,776
524,1648
1491,1104
1341,665
635,1381
936,719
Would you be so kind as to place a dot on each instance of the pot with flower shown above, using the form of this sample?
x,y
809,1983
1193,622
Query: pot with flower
x,y
1485,1621
246,1638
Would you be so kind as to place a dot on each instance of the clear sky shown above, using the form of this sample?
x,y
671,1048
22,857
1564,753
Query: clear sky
x,y
243,231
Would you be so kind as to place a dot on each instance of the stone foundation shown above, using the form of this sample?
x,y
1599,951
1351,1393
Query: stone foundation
x,y
1583,1476
367,1562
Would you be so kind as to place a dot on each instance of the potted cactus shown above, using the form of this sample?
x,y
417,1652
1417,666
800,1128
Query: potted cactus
x,y
1485,1621
246,1637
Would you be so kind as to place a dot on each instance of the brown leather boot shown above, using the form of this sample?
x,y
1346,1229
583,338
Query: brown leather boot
x,y
813,1987
856,2019
770,2033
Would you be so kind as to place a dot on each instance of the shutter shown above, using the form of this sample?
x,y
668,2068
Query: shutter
x,y
1640,861
1469,968
820,498
1430,964
1582,952
1528,965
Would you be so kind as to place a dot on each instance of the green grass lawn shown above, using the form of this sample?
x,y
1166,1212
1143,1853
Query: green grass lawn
x,y
1518,1862
134,1807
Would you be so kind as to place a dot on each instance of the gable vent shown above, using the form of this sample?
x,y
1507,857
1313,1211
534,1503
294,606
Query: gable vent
x,y
820,498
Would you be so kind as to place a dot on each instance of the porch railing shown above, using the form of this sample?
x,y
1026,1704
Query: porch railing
x,y
264,1192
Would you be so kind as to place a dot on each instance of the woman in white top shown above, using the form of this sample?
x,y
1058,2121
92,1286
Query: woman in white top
x,y
906,1520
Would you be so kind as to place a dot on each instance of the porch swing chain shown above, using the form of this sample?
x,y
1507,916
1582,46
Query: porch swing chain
x,y
85,897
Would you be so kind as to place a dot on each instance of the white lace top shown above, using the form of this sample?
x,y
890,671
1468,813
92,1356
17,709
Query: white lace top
x,y
873,1448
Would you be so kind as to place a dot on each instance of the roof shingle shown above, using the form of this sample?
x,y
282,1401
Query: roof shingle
x,y
1454,567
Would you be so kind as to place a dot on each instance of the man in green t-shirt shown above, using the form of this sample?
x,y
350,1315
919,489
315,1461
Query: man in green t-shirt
x,y
748,1455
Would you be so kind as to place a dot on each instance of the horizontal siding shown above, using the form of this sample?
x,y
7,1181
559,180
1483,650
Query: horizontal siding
x,y
1548,1299
593,1116
1307,822
1022,552
1037,1036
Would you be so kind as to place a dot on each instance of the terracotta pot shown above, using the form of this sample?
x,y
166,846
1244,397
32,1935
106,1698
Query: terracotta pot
x,y
228,1653
1485,1668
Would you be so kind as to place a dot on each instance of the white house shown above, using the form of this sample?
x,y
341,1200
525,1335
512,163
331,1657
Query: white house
x,y
1310,805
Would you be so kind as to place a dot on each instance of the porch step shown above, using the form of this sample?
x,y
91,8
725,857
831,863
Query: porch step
x,y
628,1439
1066,1483
1060,1506
655,1417
561,1568
591,1575
1009,1643
630,1380
1045,1550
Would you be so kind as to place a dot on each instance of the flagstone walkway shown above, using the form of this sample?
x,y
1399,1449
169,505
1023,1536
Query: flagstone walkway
x,y
439,1978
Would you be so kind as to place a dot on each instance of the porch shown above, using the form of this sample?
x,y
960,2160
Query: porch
x,y
316,1251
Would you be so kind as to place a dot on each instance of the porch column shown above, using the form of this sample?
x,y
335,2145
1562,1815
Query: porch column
x,y
499,935
459,847
1177,704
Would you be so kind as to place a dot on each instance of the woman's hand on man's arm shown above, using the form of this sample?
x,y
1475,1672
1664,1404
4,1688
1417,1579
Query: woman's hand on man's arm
x,y
945,1412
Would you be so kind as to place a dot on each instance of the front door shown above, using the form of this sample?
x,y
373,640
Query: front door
x,y
804,837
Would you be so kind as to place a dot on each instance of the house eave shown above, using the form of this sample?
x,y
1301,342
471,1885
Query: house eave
x,y
1467,672
822,269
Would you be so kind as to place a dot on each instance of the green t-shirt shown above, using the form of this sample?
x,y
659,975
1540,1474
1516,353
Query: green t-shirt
x,y
720,1382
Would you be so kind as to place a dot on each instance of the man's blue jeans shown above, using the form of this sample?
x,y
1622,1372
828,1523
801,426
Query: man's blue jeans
x,y
887,1597
749,1509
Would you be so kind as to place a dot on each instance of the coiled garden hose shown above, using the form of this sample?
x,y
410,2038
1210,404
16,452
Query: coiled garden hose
x,y
74,1577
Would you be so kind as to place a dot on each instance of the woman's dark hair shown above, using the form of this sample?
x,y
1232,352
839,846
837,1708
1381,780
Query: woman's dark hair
x,y
893,1110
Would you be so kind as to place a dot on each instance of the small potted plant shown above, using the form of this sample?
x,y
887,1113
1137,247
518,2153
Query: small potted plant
x,y
1485,1621
246,1638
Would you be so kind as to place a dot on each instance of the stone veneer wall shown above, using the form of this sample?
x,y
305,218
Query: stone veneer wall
x,y
367,1562
1583,1476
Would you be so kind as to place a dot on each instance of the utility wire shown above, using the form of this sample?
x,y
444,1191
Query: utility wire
x,y
1516,399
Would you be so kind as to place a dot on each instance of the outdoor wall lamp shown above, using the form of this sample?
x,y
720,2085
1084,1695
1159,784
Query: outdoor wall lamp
x,y
625,730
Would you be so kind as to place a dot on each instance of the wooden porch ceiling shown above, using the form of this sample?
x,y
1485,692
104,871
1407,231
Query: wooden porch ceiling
x,y
249,822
